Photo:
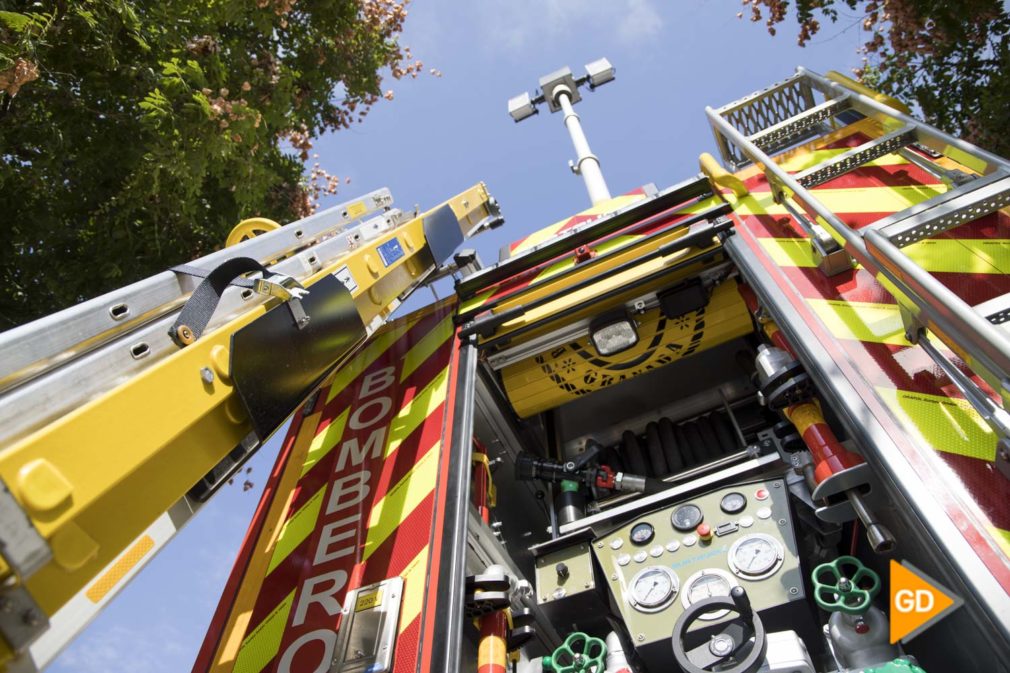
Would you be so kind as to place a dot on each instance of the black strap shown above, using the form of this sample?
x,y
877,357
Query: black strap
x,y
195,315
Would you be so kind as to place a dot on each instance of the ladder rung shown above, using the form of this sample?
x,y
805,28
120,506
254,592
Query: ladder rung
x,y
856,157
784,132
946,211
996,310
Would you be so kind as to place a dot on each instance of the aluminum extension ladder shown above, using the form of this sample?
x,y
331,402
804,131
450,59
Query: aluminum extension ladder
x,y
803,107
113,433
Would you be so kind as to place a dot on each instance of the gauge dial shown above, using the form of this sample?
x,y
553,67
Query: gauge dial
x,y
755,556
706,584
641,533
686,517
733,503
653,588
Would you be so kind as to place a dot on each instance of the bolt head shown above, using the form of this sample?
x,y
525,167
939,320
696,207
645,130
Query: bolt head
x,y
641,637
207,375
721,645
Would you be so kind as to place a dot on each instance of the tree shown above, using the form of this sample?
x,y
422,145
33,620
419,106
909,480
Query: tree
x,y
951,59
134,134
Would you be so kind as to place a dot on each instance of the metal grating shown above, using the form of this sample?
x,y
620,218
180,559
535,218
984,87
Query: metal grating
x,y
856,157
950,213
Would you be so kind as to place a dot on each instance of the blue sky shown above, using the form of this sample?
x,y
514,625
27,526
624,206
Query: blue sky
x,y
441,135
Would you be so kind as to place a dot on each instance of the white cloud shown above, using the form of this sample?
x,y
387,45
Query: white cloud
x,y
124,649
641,22
521,24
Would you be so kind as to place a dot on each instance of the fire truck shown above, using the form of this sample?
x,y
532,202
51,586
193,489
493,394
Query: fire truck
x,y
722,425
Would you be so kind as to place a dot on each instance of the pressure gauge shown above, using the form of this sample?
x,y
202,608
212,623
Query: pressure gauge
x,y
733,503
706,584
686,517
641,533
755,556
653,589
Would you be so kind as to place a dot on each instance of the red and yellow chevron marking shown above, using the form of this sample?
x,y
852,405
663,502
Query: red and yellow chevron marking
x,y
510,289
857,318
608,206
349,503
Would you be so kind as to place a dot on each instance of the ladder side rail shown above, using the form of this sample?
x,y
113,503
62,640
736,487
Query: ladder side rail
x,y
938,308
984,346
55,392
32,349
929,136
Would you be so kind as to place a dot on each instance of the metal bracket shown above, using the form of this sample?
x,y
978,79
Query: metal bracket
x,y
368,628
21,618
21,545
288,289
488,592
1002,461
837,484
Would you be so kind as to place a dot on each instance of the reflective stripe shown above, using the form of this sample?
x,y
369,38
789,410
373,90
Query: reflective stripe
x,y
423,349
394,507
414,586
789,251
107,582
324,442
849,200
942,255
296,529
260,647
379,344
947,424
1002,538
416,411
804,160
609,206
863,321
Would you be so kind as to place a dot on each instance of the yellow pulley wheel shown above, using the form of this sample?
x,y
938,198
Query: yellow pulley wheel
x,y
246,229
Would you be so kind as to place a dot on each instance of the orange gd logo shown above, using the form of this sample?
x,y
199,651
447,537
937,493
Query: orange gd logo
x,y
917,601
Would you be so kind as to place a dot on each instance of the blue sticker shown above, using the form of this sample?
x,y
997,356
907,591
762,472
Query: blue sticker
x,y
390,251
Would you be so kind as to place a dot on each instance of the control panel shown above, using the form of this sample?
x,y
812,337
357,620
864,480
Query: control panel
x,y
660,563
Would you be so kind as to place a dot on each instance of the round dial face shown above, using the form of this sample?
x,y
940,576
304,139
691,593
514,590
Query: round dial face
x,y
686,517
706,584
652,589
641,533
733,502
755,556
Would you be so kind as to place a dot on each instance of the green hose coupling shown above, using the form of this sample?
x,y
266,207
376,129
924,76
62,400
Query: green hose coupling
x,y
901,665
845,585
580,653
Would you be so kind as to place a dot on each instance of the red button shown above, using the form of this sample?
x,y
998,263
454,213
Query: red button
x,y
862,627
761,494
704,532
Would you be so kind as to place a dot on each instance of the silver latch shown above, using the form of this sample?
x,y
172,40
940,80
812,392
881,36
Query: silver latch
x,y
287,289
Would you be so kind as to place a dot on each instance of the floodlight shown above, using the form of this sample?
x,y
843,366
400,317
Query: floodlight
x,y
600,72
613,333
521,107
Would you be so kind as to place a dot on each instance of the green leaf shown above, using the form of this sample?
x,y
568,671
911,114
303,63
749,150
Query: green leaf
x,y
16,22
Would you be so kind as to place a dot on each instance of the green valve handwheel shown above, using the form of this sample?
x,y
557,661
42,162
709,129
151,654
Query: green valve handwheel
x,y
579,652
845,585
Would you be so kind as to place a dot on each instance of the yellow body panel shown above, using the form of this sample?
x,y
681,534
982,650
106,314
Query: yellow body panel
x,y
588,297
574,369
